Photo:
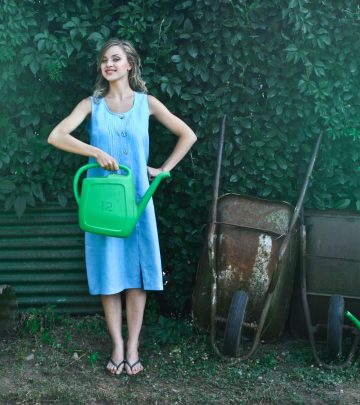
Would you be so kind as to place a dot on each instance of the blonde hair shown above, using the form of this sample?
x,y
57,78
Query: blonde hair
x,y
136,83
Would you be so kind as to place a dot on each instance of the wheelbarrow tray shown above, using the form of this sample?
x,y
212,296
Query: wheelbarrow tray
x,y
250,232
332,259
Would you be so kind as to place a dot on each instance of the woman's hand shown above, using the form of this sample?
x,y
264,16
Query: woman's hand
x,y
154,172
106,161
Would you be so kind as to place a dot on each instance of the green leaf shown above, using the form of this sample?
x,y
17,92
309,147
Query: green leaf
x,y
192,50
69,48
246,123
188,26
69,24
37,190
176,58
265,192
96,36
291,48
281,162
34,66
183,5
342,204
20,205
279,109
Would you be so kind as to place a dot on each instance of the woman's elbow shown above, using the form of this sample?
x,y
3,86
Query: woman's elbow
x,y
52,138
192,137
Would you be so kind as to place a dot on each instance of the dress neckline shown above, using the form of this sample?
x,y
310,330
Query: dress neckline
x,y
120,113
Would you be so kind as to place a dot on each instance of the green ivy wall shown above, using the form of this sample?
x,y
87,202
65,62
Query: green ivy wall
x,y
281,70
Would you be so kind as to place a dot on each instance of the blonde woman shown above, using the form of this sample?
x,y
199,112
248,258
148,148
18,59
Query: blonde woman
x,y
119,112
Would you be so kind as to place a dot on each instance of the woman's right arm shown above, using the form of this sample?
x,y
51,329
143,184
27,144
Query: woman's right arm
x,y
61,137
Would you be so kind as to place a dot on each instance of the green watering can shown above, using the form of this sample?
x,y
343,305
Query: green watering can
x,y
107,205
353,319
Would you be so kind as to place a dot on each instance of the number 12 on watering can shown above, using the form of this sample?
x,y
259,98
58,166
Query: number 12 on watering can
x,y
107,205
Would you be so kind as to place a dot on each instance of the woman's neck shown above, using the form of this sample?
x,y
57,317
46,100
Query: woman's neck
x,y
120,90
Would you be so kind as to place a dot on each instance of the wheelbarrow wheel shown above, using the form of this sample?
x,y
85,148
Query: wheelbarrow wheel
x,y
234,323
335,326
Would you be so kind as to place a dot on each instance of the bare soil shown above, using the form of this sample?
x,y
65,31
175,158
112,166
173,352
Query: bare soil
x,y
63,364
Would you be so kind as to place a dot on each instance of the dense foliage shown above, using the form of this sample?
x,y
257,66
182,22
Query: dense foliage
x,y
281,70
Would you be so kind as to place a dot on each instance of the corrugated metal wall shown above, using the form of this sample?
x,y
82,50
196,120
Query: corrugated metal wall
x,y
42,258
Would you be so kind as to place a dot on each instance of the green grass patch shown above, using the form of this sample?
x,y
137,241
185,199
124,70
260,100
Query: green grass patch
x,y
60,361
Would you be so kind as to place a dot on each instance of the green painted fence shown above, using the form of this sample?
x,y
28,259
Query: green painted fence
x,y
42,258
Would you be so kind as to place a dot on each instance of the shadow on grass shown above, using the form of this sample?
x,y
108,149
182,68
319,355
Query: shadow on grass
x,y
59,360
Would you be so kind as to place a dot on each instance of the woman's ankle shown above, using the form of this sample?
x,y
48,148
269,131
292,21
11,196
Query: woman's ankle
x,y
132,347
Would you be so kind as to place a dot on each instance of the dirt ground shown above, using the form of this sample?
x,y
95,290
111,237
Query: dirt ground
x,y
63,364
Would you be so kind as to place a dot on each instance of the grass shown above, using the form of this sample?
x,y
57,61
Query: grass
x,y
59,360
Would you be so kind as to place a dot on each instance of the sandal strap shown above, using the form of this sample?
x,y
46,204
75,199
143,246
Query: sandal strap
x,y
132,365
116,365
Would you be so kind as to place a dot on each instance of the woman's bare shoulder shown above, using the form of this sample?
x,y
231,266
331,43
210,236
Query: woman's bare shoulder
x,y
84,106
155,105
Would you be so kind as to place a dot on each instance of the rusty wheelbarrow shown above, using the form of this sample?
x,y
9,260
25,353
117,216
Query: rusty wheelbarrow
x,y
245,275
329,283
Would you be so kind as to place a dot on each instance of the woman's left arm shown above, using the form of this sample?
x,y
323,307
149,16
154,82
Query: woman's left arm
x,y
178,127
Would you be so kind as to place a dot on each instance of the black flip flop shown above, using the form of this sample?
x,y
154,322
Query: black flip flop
x,y
117,366
132,366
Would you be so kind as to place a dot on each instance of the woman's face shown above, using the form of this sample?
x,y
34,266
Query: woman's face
x,y
114,64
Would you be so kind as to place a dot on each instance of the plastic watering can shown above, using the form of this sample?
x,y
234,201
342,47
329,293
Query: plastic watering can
x,y
107,205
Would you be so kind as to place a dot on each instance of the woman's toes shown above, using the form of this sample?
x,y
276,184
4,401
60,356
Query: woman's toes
x,y
128,368
115,368
133,368
137,368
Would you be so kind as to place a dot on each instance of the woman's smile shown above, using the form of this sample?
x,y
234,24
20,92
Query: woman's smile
x,y
114,62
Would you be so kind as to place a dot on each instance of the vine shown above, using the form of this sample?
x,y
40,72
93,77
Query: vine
x,y
282,71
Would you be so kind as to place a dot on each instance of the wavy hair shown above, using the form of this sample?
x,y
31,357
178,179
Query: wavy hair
x,y
136,83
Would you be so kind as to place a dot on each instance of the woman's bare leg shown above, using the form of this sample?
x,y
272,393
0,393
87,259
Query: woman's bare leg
x,y
135,306
112,310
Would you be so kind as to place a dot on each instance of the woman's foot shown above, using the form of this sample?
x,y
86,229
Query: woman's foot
x,y
133,364
115,364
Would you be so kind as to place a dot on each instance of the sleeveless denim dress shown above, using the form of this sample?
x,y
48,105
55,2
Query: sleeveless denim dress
x,y
116,264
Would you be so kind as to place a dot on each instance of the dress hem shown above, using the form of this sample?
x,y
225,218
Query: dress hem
x,y
128,288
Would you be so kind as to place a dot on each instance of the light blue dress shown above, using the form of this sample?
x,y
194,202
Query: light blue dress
x,y
116,264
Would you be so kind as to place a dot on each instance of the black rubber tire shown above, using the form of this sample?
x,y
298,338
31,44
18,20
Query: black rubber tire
x,y
234,323
335,326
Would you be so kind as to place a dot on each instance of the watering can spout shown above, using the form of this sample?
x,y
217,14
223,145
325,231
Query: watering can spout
x,y
150,191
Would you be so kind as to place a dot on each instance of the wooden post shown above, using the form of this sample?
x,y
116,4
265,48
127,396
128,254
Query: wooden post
x,y
8,308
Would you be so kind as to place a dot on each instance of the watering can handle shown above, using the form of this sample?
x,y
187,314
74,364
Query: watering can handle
x,y
82,170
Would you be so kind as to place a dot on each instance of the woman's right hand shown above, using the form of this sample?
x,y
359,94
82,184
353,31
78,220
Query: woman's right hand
x,y
106,161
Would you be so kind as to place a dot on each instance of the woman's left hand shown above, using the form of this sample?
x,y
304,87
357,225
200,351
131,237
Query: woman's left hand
x,y
153,172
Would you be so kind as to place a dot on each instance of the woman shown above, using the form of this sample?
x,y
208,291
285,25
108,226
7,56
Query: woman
x,y
120,110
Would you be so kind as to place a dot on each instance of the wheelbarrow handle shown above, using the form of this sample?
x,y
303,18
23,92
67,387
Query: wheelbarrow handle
x,y
300,201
